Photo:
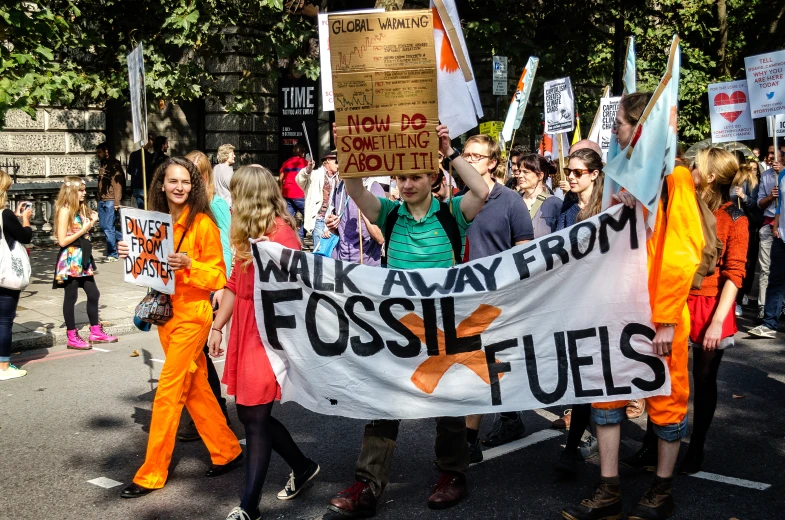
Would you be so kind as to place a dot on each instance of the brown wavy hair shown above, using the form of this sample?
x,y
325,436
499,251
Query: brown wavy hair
x,y
723,165
592,161
197,198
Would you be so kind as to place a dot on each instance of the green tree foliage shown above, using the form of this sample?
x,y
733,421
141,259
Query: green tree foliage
x,y
73,52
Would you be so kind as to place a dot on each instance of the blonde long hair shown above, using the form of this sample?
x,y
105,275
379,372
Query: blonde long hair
x,y
205,169
723,165
748,172
256,202
68,199
5,183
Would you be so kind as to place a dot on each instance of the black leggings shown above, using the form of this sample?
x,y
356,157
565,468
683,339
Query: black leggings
x,y
71,289
579,421
264,434
705,365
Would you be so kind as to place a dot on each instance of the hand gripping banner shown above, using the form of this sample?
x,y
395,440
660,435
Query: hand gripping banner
x,y
559,320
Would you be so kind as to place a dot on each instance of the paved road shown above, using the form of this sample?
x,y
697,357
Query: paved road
x,y
79,416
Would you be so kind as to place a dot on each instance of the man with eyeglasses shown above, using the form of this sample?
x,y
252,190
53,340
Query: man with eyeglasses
x,y
417,237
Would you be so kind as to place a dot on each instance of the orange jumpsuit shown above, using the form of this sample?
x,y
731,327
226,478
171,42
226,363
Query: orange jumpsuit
x,y
674,253
183,379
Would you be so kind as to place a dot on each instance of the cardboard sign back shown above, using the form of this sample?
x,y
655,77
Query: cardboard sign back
x,y
385,93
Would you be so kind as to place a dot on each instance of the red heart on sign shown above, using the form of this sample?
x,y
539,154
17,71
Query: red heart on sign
x,y
730,107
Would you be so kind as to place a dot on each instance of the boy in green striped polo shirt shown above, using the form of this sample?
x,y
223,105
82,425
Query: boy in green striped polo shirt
x,y
417,241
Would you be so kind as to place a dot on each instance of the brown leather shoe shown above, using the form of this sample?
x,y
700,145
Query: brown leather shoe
x,y
604,504
450,490
656,503
356,501
563,423
635,408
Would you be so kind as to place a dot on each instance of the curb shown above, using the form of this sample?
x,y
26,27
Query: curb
x,y
35,340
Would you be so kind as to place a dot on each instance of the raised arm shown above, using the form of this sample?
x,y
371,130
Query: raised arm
x,y
472,202
367,202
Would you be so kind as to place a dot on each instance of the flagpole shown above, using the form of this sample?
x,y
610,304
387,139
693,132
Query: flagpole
x,y
561,158
144,177
776,152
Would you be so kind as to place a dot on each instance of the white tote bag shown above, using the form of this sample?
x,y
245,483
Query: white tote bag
x,y
14,264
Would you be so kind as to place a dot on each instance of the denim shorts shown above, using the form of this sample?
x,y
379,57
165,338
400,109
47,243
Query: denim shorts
x,y
668,432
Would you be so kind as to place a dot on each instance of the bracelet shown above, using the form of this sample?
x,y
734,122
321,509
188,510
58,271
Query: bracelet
x,y
218,330
455,155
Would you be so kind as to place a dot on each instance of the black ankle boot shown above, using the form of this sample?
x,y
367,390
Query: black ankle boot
x,y
604,504
656,503
645,458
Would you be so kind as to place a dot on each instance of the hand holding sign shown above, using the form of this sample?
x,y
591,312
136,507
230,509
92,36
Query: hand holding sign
x,y
179,261
148,248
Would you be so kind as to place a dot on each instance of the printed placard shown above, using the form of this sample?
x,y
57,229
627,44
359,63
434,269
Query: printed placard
x,y
766,83
385,93
136,86
608,108
559,106
730,113
150,238
776,122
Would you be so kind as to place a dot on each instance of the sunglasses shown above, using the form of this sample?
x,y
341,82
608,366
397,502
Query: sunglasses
x,y
578,173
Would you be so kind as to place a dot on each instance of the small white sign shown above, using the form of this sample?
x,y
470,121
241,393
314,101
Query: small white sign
x,y
608,108
150,237
730,112
766,83
777,122
500,75
559,106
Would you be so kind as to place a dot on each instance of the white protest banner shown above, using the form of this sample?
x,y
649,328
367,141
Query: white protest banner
x,y
520,99
325,64
766,84
777,122
136,86
559,106
730,113
562,319
607,115
150,237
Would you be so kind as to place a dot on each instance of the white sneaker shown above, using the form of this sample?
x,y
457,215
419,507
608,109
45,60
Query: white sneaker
x,y
762,331
739,312
12,373
589,448
238,513
745,300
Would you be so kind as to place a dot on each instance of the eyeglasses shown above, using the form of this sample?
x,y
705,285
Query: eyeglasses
x,y
474,157
616,124
578,173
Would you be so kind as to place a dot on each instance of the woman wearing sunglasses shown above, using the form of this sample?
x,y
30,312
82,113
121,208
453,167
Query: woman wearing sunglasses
x,y
585,177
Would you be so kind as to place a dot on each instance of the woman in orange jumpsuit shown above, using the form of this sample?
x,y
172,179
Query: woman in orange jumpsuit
x,y
674,253
178,189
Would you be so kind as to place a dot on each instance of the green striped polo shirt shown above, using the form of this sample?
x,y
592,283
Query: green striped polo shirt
x,y
419,244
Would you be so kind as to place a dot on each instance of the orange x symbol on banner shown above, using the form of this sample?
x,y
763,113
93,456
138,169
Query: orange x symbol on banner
x,y
431,371
149,246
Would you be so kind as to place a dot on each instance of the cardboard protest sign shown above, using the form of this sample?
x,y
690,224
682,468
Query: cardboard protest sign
x,y
150,237
766,83
324,56
136,86
559,106
730,114
384,84
488,336
520,99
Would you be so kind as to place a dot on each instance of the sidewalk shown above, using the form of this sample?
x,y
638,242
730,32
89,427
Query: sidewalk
x,y
39,319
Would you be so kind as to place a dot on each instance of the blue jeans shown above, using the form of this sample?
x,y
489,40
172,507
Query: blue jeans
x,y
776,288
668,432
138,195
8,302
318,229
293,206
106,220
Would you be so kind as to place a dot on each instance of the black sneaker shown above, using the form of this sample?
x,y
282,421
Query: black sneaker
x,y
297,482
475,452
504,430
188,433
645,458
568,463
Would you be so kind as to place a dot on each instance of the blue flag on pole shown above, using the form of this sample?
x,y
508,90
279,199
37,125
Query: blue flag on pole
x,y
641,167
630,70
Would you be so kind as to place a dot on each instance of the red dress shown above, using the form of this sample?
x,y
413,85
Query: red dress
x,y
248,373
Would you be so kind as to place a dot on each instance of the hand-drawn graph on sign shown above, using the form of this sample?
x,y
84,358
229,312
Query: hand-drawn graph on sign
x,y
384,85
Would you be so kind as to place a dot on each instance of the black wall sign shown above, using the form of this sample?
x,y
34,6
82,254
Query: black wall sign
x,y
298,102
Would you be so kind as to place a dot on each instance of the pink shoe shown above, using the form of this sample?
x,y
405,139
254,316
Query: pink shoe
x,y
77,343
97,335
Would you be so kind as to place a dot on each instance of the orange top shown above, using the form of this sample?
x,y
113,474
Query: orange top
x,y
674,249
202,244
733,231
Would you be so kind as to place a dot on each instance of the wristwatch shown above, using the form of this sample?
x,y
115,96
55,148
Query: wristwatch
x,y
455,155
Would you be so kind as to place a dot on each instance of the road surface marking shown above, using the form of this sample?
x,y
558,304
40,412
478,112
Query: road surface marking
x,y
104,482
732,481
54,357
534,438
545,414
157,360
101,349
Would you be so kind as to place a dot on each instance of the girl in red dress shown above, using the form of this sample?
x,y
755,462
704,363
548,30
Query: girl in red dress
x,y
259,213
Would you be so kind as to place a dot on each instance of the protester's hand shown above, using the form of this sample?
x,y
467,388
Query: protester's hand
x,y
777,166
663,340
214,343
740,193
713,336
564,186
217,297
331,223
123,249
775,192
310,166
94,217
24,211
775,227
625,197
444,140
179,261
87,226
263,238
